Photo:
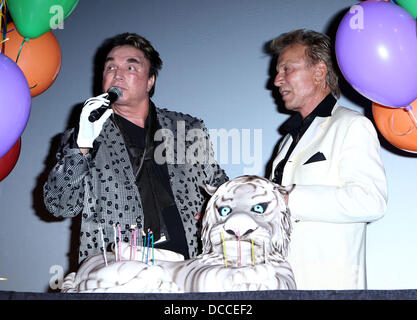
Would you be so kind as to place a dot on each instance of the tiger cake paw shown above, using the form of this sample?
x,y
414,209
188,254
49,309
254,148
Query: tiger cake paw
x,y
260,277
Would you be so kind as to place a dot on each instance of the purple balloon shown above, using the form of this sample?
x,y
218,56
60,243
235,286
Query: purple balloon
x,y
15,102
376,50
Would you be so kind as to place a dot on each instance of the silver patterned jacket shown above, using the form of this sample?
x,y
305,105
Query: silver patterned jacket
x,y
101,185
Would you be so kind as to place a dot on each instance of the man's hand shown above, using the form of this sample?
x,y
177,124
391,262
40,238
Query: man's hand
x,y
89,131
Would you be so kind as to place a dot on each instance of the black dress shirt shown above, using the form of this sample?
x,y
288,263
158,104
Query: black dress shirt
x,y
152,179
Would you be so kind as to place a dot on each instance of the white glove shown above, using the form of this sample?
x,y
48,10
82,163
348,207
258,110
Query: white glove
x,y
89,131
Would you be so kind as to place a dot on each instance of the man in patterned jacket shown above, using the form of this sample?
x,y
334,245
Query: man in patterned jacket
x,y
138,166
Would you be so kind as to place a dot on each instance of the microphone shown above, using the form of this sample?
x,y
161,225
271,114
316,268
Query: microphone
x,y
114,94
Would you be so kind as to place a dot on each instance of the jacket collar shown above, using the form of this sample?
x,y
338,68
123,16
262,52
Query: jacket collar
x,y
296,123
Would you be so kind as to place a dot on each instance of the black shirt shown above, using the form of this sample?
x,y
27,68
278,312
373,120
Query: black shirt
x,y
296,126
160,212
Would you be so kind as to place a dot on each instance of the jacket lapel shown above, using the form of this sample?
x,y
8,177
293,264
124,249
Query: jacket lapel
x,y
169,124
313,132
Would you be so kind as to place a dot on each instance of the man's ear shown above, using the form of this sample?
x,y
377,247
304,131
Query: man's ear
x,y
151,82
320,72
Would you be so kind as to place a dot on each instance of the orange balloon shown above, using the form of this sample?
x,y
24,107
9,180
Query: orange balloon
x,y
39,59
397,125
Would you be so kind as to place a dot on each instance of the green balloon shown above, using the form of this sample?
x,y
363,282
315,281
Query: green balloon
x,y
35,17
409,5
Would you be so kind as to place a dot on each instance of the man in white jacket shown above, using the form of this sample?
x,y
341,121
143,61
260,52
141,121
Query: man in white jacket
x,y
332,154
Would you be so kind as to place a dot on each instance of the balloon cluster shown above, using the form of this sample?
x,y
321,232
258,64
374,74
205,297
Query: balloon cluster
x,y
30,60
376,50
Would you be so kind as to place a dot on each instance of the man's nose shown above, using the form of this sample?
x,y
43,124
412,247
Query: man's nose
x,y
278,80
118,74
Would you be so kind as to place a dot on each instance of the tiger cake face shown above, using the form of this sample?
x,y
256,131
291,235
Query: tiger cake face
x,y
247,222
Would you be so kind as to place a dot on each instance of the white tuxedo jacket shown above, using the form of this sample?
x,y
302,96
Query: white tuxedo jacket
x,y
340,187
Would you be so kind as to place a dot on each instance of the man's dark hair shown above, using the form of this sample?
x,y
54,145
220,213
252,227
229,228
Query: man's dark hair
x,y
139,42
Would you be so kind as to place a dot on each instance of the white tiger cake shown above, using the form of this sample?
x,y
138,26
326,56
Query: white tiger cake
x,y
245,235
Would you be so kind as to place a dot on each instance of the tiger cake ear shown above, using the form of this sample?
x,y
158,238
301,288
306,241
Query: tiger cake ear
x,y
210,189
285,190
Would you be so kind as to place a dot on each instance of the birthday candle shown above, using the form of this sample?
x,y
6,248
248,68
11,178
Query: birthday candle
x,y
120,241
253,253
132,241
134,244
153,257
131,245
240,249
147,246
224,249
102,242
144,243
115,242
